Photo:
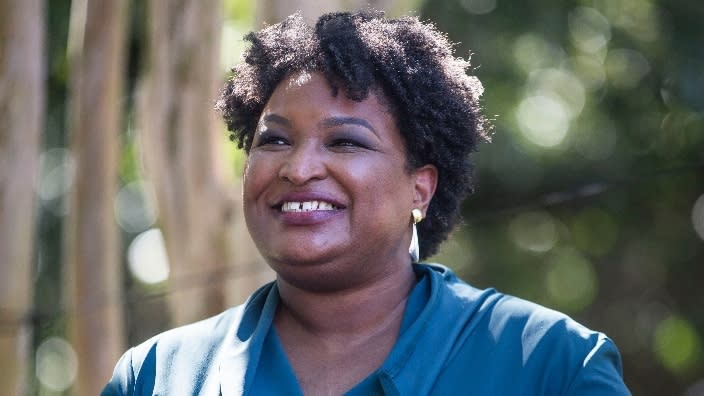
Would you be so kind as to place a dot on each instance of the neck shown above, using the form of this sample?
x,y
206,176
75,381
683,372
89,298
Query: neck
x,y
377,306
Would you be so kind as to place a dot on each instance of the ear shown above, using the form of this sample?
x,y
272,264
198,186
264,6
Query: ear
x,y
426,180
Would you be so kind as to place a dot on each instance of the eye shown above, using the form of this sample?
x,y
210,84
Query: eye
x,y
348,142
270,139
274,140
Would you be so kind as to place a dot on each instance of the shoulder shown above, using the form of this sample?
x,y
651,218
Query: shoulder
x,y
568,357
538,346
181,354
198,337
184,358
505,316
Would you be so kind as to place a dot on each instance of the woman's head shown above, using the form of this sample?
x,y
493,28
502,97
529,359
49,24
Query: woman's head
x,y
425,88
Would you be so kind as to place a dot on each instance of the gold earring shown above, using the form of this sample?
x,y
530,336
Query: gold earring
x,y
414,249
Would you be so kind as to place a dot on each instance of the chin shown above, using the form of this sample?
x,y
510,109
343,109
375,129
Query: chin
x,y
318,276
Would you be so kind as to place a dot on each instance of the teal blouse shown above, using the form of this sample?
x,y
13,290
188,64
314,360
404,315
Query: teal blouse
x,y
454,339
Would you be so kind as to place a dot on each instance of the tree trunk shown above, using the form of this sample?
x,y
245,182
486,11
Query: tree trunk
x,y
21,122
93,265
182,147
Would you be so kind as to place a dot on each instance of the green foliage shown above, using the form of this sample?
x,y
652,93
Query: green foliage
x,y
129,167
677,345
239,10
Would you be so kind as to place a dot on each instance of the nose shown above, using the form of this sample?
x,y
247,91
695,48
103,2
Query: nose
x,y
303,164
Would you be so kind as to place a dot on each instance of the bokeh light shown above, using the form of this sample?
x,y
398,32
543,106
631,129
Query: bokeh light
x,y
696,389
698,216
589,70
647,317
627,330
532,51
56,364
638,18
135,206
590,31
534,231
594,231
626,67
676,344
643,263
147,258
56,173
571,280
479,7
559,84
543,120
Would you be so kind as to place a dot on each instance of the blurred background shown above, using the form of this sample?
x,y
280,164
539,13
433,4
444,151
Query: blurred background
x,y
119,190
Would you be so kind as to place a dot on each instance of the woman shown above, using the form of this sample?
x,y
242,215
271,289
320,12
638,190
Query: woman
x,y
358,133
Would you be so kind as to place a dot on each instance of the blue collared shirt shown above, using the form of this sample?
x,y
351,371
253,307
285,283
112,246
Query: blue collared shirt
x,y
454,339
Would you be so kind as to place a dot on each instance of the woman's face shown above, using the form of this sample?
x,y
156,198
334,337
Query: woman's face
x,y
327,195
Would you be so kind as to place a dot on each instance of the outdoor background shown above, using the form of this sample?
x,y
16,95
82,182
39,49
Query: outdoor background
x,y
120,192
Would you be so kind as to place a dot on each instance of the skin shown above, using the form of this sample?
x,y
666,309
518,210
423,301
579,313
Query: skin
x,y
343,274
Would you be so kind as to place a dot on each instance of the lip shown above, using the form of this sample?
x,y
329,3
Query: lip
x,y
307,196
312,217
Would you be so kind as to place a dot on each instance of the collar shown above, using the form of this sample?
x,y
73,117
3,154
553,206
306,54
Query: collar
x,y
445,320
247,332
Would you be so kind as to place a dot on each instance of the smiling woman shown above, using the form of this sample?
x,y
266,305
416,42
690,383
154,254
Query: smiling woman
x,y
358,133
313,146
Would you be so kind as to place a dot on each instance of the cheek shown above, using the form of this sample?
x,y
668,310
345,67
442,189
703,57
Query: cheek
x,y
385,183
255,177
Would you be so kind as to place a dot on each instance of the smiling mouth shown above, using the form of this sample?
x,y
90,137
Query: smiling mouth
x,y
306,206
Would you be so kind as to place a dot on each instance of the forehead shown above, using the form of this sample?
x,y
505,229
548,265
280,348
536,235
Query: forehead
x,y
311,92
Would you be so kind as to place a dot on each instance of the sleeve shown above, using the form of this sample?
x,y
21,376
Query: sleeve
x,y
122,381
601,372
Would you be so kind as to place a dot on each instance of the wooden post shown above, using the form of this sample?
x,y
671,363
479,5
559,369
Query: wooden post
x,y
93,265
179,142
21,121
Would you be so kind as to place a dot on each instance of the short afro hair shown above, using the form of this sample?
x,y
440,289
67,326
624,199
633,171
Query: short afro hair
x,y
434,101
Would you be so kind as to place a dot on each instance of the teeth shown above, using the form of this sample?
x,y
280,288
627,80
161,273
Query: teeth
x,y
306,206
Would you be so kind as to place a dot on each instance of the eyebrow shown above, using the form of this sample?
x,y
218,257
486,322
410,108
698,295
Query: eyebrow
x,y
277,119
337,121
327,123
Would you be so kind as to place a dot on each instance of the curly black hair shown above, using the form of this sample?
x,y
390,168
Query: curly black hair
x,y
434,101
